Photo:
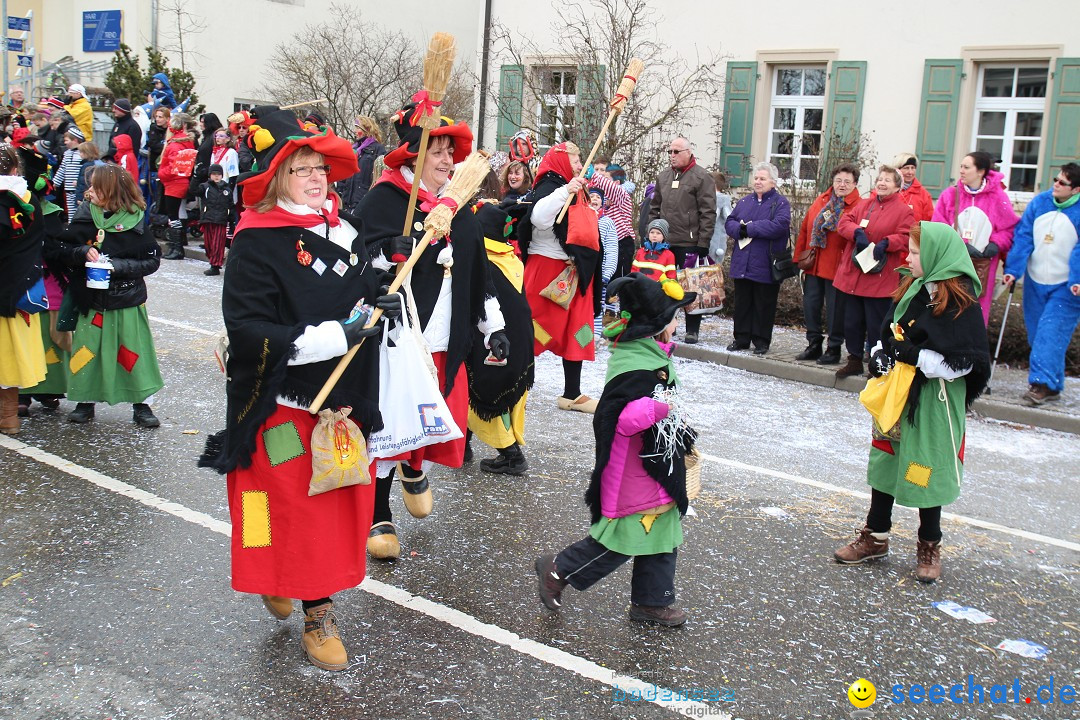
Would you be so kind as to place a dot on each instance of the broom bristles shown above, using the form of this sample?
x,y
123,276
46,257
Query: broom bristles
x,y
628,84
467,179
438,64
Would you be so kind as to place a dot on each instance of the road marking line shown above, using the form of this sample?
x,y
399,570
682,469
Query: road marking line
x,y
964,519
182,326
442,613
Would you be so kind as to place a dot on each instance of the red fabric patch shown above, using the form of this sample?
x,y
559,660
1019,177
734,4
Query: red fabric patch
x,y
98,320
963,445
126,358
25,316
884,446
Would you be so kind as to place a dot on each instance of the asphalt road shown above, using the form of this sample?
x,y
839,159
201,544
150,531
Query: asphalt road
x,y
115,599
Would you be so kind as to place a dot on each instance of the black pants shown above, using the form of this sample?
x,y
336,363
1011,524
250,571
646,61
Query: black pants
x,y
879,519
693,322
586,562
755,312
863,317
626,256
819,293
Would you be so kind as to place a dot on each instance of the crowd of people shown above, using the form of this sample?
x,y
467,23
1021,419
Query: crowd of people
x,y
548,256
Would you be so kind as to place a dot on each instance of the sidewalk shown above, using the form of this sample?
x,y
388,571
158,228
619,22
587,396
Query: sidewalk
x,y
1003,403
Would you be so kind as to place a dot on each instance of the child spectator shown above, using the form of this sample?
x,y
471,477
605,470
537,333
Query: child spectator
x,y
224,155
609,245
67,175
91,157
125,155
215,210
654,259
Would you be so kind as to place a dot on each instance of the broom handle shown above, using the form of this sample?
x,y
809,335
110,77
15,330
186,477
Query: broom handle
x,y
403,270
414,191
302,104
588,161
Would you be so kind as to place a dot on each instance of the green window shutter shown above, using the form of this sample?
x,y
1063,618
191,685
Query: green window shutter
x,y
1063,126
739,91
591,106
937,123
843,115
511,86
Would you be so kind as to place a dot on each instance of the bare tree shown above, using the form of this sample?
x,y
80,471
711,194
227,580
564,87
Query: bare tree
x,y
177,28
674,91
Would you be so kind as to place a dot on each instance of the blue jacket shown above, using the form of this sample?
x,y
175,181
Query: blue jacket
x,y
1045,263
164,96
769,230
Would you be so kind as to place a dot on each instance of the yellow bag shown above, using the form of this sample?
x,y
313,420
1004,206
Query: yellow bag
x,y
339,456
886,396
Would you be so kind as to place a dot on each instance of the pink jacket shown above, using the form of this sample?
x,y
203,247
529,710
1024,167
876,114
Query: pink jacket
x,y
625,486
987,214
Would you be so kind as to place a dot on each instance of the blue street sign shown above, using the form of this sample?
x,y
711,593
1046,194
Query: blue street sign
x,y
102,30
14,45
20,24
25,60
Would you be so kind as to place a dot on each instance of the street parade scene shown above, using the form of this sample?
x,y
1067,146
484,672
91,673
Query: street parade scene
x,y
382,414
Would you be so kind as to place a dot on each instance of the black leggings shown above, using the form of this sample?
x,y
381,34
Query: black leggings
x,y
879,519
571,378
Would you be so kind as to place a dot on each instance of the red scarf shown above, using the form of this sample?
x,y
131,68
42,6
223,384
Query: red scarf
x,y
217,153
556,160
280,217
395,178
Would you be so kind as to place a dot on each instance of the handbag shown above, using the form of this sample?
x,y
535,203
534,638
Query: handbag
x,y
982,269
806,259
782,265
708,282
563,287
582,224
339,455
35,299
413,409
886,396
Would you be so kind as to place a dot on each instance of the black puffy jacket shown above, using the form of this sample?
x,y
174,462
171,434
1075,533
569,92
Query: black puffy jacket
x,y
353,189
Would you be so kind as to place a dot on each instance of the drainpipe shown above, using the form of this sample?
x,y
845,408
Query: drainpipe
x,y
484,59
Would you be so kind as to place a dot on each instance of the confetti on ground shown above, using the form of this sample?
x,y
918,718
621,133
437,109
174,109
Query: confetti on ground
x,y
963,613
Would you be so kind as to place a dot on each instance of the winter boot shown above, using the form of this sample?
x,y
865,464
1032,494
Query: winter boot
x,y
279,607
812,352
511,461
212,270
143,416
9,411
667,615
551,585
321,640
830,357
176,250
853,367
83,413
416,492
867,546
928,555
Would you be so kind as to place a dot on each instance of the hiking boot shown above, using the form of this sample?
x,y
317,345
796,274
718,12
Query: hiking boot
x,y
830,357
853,367
382,541
551,585
812,352
928,555
666,615
761,349
416,492
49,404
321,640
24,405
279,607
867,546
511,461
83,413
1038,393
143,416
213,270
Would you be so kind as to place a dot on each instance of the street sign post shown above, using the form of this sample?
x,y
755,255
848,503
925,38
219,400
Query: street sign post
x,y
25,61
19,24
16,45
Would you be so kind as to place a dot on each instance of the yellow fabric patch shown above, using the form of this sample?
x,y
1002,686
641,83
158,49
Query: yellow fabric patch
x,y
541,334
255,513
51,358
918,474
80,359
647,521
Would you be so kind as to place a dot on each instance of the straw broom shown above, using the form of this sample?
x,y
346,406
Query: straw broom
x,y
463,186
618,103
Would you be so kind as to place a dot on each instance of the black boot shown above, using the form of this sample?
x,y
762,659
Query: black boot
x,y
143,416
176,250
468,456
830,357
511,461
812,352
83,413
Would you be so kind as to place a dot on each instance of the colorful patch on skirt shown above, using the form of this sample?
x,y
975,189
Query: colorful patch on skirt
x,y
584,336
282,443
81,358
918,474
126,358
255,514
542,336
98,320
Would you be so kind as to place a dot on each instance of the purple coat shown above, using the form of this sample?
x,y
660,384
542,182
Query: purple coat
x,y
769,229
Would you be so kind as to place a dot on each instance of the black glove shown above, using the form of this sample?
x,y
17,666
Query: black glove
x,y
880,249
990,250
861,240
742,231
905,351
881,363
972,251
355,330
499,345
391,305
400,248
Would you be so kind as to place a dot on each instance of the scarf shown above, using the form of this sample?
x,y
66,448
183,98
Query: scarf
x,y
119,221
827,220
1068,203
943,256
557,161
655,246
302,216
359,147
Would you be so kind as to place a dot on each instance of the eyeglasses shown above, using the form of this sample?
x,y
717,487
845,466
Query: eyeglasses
x,y
840,181
306,170
676,152
1062,183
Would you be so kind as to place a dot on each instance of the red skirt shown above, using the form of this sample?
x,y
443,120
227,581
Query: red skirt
x,y
285,543
452,452
567,333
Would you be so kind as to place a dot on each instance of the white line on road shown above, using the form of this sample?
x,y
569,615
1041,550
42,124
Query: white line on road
x,y
442,613
182,326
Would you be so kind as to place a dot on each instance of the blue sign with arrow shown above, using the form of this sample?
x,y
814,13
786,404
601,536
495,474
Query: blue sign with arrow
x,y
19,24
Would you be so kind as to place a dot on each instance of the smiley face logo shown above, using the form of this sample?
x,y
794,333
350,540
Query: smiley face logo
x,y
862,693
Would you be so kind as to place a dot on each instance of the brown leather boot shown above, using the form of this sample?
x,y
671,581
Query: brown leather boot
x,y
321,640
9,411
867,546
853,367
279,607
668,616
929,559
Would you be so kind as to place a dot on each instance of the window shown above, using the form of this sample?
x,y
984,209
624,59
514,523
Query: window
x,y
555,112
796,119
1009,120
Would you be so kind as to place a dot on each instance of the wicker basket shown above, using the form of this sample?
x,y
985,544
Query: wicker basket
x,y
693,475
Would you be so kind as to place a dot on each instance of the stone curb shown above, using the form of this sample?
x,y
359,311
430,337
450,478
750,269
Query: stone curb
x,y
825,377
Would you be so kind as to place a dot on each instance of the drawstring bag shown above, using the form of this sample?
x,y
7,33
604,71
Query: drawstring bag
x,y
562,289
339,455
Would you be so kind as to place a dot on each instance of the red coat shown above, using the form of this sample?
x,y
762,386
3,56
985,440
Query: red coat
x,y
125,157
828,257
177,161
916,198
889,218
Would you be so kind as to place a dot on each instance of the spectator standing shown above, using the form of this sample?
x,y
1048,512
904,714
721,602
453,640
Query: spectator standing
x,y
654,258
67,175
609,252
125,125
125,156
685,196
368,147
215,212
90,157
516,178
1046,254
209,124
760,224
177,160
78,107
619,206
911,191
224,155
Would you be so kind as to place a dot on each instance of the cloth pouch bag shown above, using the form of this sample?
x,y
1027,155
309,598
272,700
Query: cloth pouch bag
x,y
339,455
562,289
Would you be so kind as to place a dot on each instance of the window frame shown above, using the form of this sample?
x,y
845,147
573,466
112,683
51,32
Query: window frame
x,y
800,103
561,102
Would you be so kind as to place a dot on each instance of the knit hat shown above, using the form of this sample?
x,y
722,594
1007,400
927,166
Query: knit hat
x,y
275,135
597,191
75,132
215,168
123,105
76,88
659,224
408,132
645,306
53,104
904,159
